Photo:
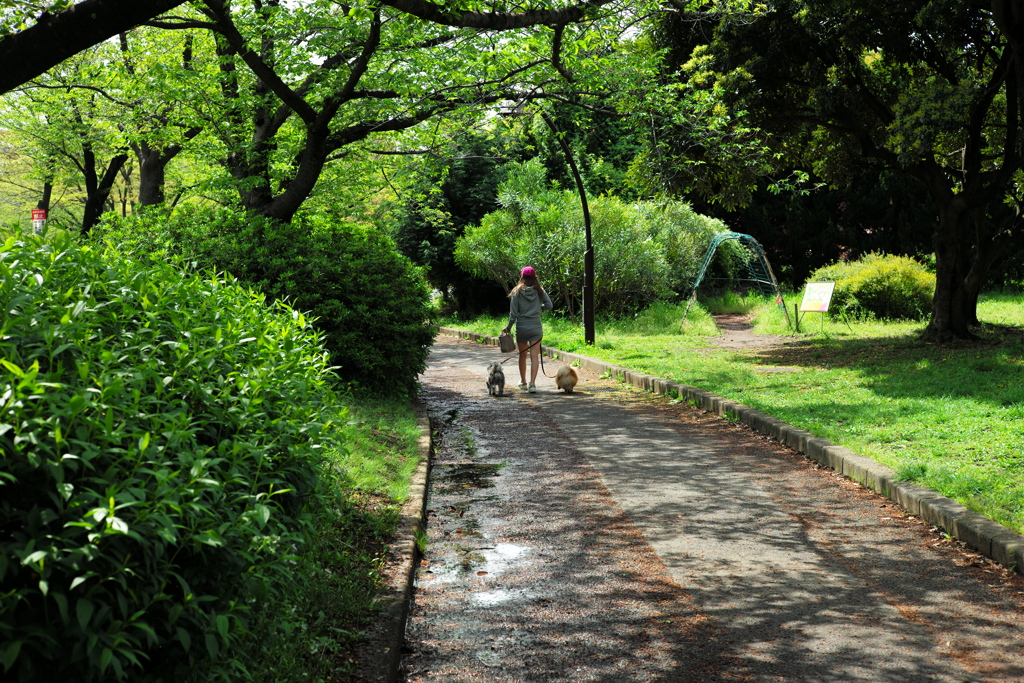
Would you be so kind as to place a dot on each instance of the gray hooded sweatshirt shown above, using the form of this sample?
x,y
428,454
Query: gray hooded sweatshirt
x,y
524,311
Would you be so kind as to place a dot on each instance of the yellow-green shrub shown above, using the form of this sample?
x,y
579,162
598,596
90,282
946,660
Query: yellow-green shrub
x,y
885,286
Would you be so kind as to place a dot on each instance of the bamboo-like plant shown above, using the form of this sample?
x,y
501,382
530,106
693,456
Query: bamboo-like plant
x,y
158,449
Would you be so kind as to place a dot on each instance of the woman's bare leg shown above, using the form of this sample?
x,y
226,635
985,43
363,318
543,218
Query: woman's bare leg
x,y
534,356
522,361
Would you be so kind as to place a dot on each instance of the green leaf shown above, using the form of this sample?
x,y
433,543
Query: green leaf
x,y
77,402
12,368
84,610
37,556
223,625
62,607
105,658
211,538
11,654
212,648
184,638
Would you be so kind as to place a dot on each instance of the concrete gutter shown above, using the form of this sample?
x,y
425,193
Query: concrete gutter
x,y
991,539
380,659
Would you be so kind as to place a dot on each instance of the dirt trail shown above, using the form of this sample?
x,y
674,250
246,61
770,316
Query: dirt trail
x,y
615,536
738,333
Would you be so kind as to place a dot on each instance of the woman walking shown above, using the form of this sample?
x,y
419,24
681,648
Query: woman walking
x,y
527,300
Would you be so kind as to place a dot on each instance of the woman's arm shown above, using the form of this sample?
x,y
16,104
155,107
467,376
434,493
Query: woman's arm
x,y
545,304
513,312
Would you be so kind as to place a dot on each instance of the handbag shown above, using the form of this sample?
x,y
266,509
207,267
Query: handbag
x,y
507,343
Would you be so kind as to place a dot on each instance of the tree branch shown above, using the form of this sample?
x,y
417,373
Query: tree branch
x,y
494,21
179,23
556,54
77,86
27,54
363,61
226,27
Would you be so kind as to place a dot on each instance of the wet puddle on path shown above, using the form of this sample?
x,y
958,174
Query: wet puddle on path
x,y
461,551
451,478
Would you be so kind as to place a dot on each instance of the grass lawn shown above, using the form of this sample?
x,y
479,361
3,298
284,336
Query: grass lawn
x,y
950,417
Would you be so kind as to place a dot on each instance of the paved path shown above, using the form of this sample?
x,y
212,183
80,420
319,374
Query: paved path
x,y
615,536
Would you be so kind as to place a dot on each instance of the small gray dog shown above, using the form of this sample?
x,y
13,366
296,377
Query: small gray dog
x,y
495,380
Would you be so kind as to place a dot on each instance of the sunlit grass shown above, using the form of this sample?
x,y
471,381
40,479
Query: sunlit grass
x,y
380,457
948,416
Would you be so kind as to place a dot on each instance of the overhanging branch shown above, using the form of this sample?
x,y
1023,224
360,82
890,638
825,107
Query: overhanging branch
x,y
494,21
27,54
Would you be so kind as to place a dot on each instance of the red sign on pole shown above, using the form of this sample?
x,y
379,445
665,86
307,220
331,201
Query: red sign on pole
x,y
38,219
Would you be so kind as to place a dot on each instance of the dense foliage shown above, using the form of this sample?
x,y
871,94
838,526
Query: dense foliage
x,y
800,233
371,304
261,99
884,286
443,195
644,251
160,444
440,198
929,90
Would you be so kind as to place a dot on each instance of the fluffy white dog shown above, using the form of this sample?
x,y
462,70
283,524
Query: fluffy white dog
x,y
566,378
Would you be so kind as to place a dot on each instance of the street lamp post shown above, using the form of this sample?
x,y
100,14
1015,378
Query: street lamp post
x,y
588,254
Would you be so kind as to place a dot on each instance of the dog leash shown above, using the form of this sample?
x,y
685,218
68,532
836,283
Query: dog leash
x,y
540,353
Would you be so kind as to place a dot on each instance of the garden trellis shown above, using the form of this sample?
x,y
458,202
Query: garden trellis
x,y
757,270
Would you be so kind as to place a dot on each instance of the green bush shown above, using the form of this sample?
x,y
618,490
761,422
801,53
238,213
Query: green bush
x,y
369,301
160,443
885,286
686,235
644,251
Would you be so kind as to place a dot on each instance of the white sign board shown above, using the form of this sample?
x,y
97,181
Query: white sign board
x,y
38,220
817,296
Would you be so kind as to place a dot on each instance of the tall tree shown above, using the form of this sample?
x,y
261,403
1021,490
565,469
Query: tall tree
x,y
301,84
451,184
73,129
154,91
927,88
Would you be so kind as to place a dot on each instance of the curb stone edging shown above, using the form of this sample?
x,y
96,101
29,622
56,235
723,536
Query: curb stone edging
x,y
381,657
990,538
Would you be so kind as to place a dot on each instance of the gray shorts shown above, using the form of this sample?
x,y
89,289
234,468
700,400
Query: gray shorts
x,y
528,330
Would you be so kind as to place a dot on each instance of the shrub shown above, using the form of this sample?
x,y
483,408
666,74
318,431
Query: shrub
x,y
158,446
885,286
686,235
369,301
644,251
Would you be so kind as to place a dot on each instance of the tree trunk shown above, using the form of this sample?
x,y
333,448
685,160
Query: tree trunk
x,y
309,166
44,200
952,301
97,198
152,173
990,242
153,162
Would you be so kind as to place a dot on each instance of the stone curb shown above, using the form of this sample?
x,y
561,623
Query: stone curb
x,y
382,664
991,539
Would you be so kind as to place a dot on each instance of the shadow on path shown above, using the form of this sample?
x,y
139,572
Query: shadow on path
x,y
612,536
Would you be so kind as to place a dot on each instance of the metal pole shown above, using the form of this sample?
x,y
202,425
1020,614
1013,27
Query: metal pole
x,y
588,254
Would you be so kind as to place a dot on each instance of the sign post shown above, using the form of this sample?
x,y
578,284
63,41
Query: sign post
x,y
817,297
38,220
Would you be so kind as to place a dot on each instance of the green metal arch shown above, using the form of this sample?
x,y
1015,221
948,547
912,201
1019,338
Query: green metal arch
x,y
759,270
